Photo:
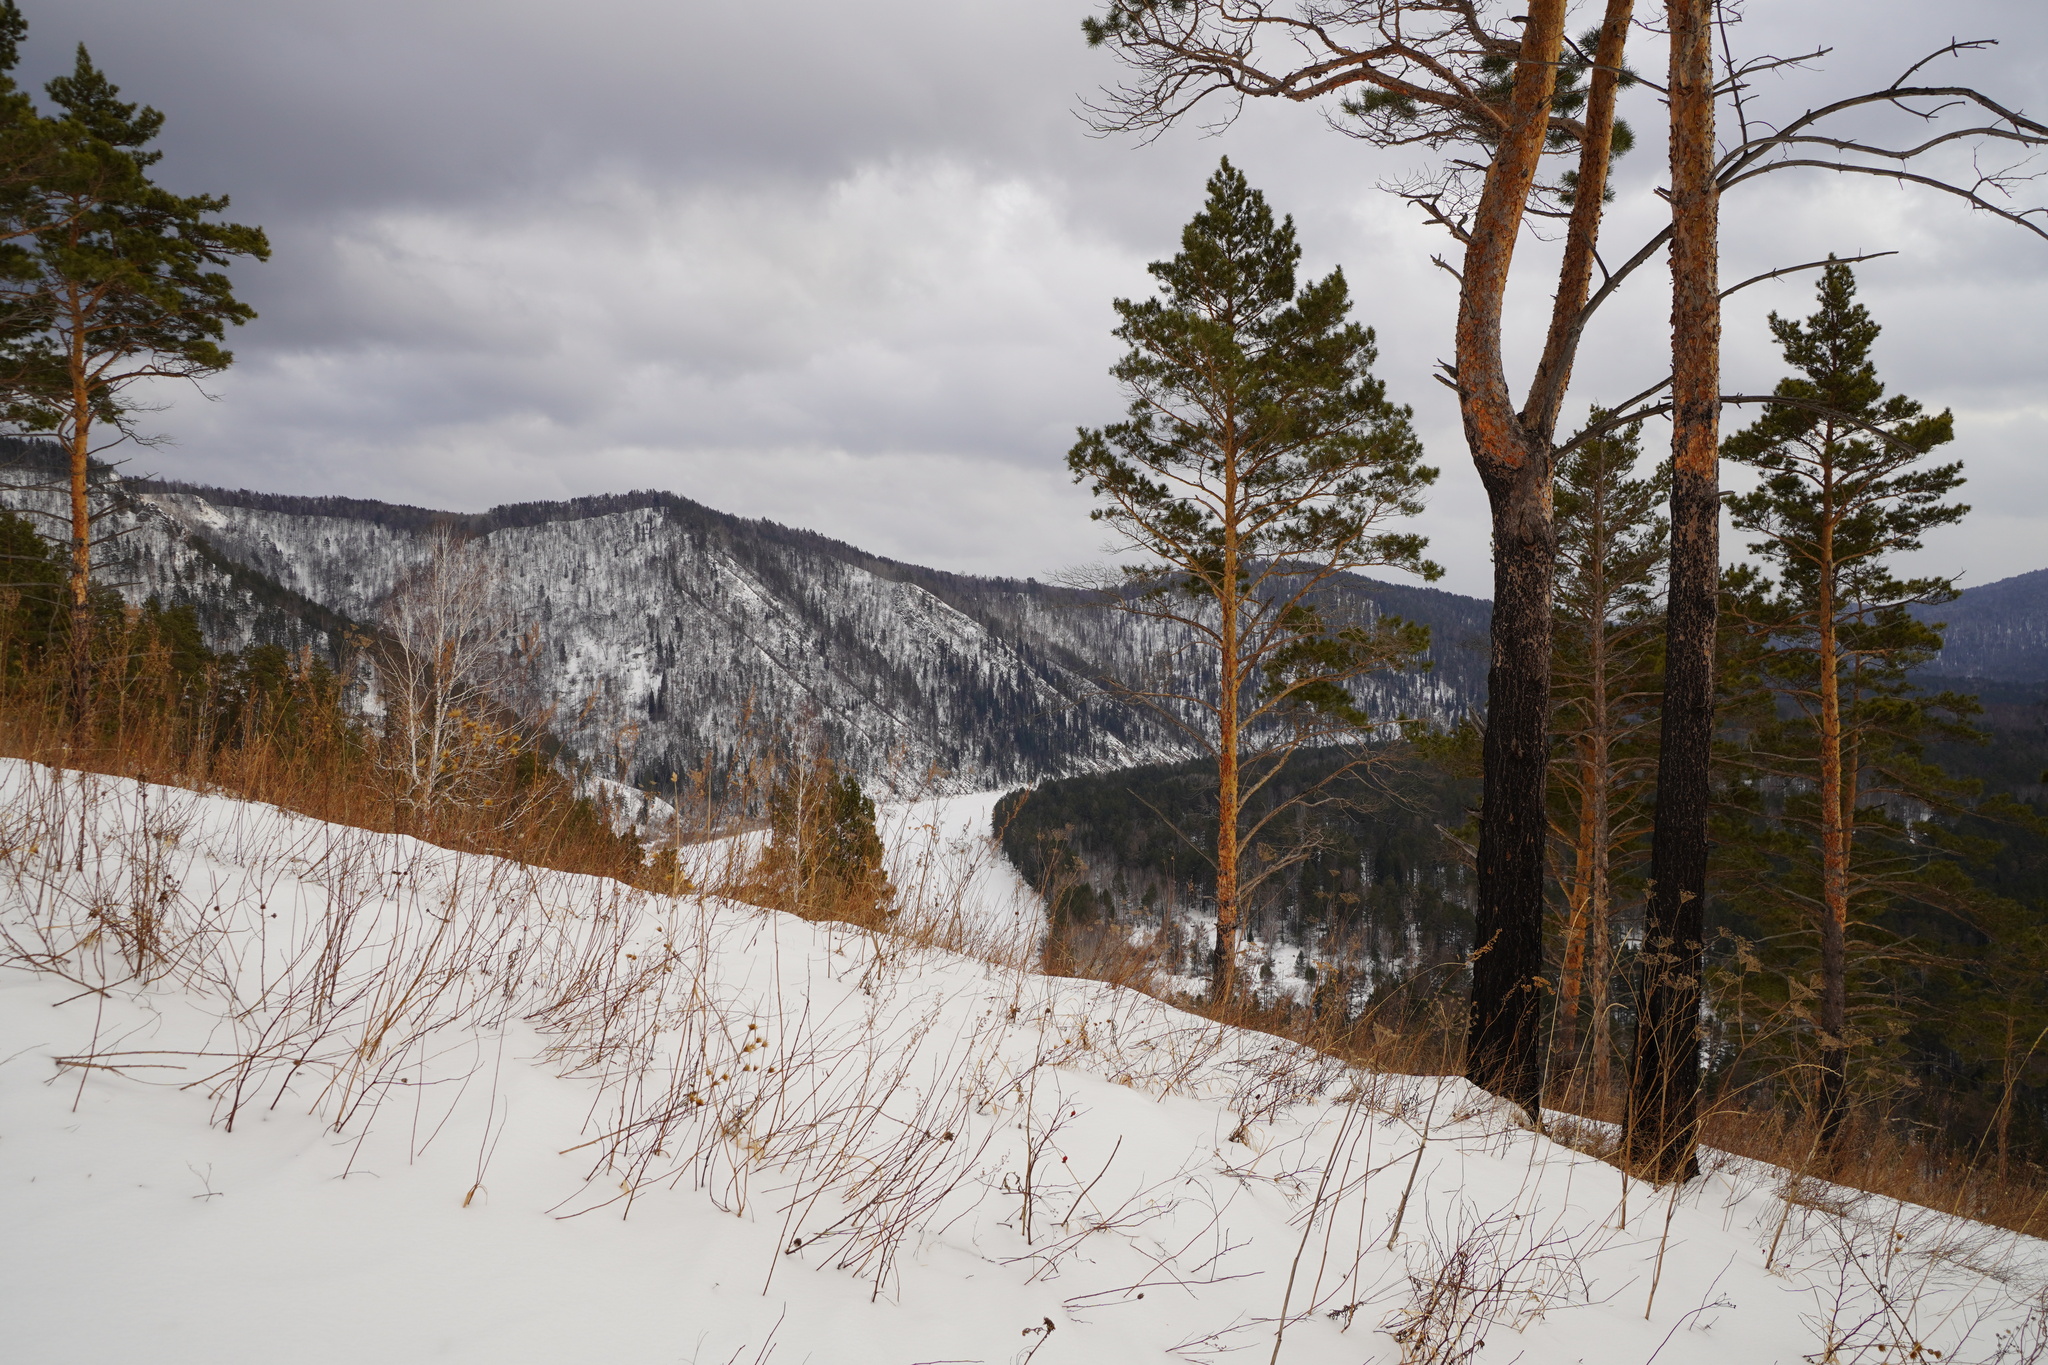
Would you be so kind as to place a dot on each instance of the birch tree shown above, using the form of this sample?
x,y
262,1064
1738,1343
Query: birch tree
x,y
449,670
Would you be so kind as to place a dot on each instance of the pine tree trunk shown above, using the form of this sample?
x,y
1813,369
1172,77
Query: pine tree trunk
x,y
1663,1119
1836,806
80,453
1223,977
1572,969
1586,950
1599,803
1596,780
1601,972
1504,1042
1504,1051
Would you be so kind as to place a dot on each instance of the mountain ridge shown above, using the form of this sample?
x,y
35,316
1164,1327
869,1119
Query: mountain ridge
x,y
673,627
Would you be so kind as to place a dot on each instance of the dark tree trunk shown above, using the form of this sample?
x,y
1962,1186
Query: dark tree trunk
x,y
1504,1049
1663,1113
1503,1045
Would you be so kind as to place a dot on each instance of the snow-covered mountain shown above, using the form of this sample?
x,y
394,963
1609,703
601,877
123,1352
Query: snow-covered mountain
x,y
668,628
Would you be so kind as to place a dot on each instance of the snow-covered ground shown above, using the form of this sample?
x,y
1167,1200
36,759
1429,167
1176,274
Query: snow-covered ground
x,y
369,1100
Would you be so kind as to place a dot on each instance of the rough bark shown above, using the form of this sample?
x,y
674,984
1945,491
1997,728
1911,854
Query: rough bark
x,y
1503,1049
1663,1114
1504,1043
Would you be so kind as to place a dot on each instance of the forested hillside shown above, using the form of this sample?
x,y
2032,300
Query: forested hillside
x,y
1998,631
665,631
1373,888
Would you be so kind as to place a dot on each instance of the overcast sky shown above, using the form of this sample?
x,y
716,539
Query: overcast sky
x,y
849,266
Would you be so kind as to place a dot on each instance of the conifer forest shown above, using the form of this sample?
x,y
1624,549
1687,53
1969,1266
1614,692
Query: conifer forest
x,y
1330,681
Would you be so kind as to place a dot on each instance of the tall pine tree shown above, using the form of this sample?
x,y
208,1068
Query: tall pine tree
x,y
120,284
1606,677
1261,459
1845,487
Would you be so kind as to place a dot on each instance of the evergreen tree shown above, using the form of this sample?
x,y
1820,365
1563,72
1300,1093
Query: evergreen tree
x,y
1261,459
1607,653
825,855
119,284
31,595
1839,736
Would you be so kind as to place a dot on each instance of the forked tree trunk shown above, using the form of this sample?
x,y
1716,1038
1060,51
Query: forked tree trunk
x,y
1503,1044
1663,1115
1504,1040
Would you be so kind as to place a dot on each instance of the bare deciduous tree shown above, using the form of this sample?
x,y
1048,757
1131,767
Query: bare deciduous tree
x,y
450,676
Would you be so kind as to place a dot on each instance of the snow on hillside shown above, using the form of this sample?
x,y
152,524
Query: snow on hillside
x,y
276,1089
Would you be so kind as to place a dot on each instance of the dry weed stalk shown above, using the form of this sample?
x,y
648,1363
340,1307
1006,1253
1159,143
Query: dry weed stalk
x,y
822,1076
1472,1272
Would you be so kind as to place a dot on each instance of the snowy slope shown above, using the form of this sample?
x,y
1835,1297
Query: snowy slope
x,y
382,1102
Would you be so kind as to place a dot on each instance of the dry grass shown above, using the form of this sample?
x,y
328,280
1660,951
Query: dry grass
x,y
298,750
315,762
1418,1029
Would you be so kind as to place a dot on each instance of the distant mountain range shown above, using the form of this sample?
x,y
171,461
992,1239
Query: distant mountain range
x,y
669,627
1997,632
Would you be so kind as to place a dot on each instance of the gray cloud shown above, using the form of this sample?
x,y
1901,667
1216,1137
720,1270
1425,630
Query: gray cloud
x,y
849,266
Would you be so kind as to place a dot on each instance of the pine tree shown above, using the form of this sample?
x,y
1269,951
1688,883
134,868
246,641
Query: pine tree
x,y
825,854
119,285
1607,634
1845,487
1261,459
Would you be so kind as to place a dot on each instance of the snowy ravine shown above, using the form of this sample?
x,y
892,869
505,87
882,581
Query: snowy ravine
x,y
377,1101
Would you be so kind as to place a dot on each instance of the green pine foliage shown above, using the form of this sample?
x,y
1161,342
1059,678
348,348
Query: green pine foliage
x,y
1260,460
121,280
1606,682
824,857
1819,646
1238,379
